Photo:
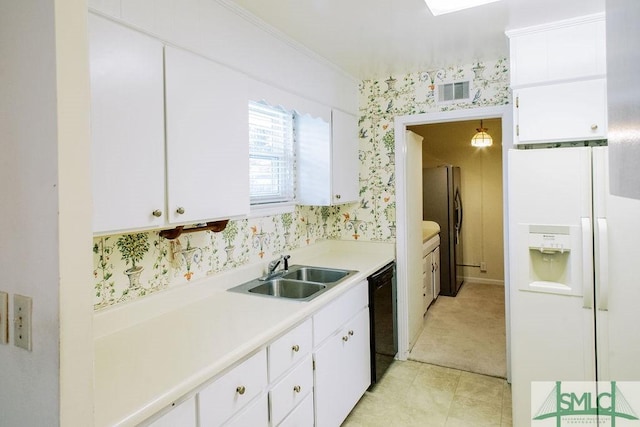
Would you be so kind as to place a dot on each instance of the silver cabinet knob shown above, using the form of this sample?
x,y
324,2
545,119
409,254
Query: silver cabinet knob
x,y
594,127
345,338
180,210
240,389
351,333
338,196
157,213
296,348
297,388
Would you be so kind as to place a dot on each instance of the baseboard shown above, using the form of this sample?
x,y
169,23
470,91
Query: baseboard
x,y
484,281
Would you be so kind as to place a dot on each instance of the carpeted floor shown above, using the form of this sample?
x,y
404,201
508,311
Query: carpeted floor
x,y
466,332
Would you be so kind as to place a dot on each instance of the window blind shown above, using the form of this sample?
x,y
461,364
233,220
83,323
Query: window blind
x,y
271,154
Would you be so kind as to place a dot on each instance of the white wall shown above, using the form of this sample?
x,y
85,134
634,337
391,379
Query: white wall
x,y
28,181
212,29
39,93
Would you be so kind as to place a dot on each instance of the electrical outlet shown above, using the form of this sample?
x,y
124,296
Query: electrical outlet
x,y
22,321
483,266
4,318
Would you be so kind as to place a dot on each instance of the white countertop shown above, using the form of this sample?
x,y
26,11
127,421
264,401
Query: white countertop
x,y
151,352
429,229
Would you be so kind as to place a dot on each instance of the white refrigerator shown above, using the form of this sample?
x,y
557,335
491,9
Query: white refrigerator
x,y
574,263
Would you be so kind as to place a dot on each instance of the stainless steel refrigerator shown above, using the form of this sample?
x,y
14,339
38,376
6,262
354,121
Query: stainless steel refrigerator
x,y
442,203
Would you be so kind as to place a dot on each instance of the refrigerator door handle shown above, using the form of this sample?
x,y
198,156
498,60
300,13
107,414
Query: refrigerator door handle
x,y
587,264
602,264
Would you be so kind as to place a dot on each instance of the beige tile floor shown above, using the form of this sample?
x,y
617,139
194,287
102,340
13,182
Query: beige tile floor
x,y
418,394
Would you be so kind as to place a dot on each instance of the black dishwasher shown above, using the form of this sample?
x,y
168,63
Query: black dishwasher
x,y
382,320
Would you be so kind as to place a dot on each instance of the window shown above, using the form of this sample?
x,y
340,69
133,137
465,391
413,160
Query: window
x,y
271,158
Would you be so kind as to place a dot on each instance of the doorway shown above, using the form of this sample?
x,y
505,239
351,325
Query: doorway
x,y
463,326
409,243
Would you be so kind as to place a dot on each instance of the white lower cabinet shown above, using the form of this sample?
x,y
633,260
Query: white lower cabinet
x,y
290,372
314,374
427,281
230,393
183,415
256,415
430,271
302,416
291,391
342,361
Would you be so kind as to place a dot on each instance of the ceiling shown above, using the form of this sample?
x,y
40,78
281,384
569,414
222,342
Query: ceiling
x,y
376,38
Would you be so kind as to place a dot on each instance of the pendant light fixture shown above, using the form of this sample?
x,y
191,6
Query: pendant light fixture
x,y
481,138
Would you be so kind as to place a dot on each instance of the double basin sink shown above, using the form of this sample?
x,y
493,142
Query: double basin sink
x,y
299,282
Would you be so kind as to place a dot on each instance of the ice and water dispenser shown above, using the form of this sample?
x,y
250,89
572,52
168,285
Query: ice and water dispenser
x,y
551,249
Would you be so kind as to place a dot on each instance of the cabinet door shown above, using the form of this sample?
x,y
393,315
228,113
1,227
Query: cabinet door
x,y
567,52
345,166
127,127
207,139
436,272
428,281
343,371
335,314
563,112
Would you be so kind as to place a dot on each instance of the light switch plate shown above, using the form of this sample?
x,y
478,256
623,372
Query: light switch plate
x,y
4,318
22,321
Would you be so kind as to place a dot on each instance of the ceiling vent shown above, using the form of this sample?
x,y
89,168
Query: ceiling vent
x,y
453,91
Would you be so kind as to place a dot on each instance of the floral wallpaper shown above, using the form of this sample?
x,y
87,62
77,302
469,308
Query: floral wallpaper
x,y
131,266
415,93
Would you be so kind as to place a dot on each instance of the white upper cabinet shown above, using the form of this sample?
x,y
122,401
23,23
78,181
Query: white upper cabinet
x,y
328,163
344,157
560,51
207,139
127,127
558,73
575,111
206,172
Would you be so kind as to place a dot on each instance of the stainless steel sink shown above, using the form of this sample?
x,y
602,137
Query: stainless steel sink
x,y
315,274
300,283
287,288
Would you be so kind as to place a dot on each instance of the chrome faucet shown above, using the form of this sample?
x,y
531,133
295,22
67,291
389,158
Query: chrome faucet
x,y
271,269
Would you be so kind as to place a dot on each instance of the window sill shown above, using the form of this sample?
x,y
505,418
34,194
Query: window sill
x,y
269,209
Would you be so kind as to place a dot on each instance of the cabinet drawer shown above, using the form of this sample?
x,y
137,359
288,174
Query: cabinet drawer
x,y
183,415
289,349
256,415
302,416
231,392
291,390
339,311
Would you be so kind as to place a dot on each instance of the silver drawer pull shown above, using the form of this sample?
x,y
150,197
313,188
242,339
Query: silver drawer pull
x,y
180,210
157,213
351,332
594,127
240,389
296,348
345,338
297,388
